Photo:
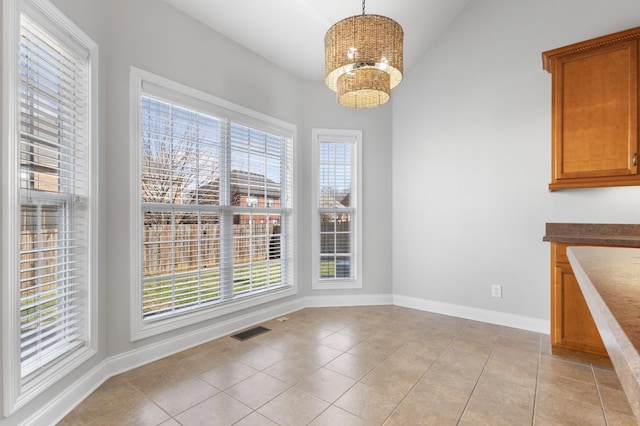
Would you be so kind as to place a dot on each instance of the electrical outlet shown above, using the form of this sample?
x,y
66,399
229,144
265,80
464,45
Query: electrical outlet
x,y
496,291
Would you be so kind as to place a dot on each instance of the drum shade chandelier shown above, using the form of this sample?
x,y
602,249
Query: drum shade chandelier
x,y
363,59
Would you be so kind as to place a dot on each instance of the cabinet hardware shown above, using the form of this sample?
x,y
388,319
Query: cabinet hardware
x,y
635,159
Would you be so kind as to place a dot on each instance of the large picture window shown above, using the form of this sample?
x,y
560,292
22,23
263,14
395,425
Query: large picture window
x,y
215,205
50,200
337,216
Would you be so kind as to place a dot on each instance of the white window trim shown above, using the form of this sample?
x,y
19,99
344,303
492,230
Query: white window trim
x,y
16,393
348,136
139,328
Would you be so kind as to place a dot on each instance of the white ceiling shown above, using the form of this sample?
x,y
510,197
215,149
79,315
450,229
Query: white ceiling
x,y
291,32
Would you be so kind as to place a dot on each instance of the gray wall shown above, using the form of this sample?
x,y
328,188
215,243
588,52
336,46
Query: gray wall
x,y
153,36
322,111
472,156
460,193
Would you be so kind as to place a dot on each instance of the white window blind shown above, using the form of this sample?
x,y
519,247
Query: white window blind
x,y
53,151
337,216
335,209
216,209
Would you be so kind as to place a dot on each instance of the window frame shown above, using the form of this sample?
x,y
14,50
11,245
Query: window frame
x,y
201,101
353,137
17,390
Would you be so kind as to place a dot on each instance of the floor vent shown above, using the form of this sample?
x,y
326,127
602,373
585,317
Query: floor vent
x,y
252,332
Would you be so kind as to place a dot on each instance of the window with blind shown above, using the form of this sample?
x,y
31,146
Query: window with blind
x,y
337,215
215,208
49,250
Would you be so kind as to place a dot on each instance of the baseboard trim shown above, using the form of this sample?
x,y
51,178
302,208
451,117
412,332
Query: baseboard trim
x,y
70,397
348,300
138,357
476,314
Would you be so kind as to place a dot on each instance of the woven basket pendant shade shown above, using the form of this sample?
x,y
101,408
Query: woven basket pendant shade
x,y
363,60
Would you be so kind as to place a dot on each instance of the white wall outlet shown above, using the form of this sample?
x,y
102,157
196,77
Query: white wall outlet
x,y
496,291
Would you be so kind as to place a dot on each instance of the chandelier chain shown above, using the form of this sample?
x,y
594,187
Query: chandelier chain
x,y
363,7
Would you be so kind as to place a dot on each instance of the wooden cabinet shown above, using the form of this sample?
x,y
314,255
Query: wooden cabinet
x,y
572,327
595,112
573,331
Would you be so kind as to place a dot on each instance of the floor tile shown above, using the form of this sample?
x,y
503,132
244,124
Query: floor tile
x,y
220,410
261,357
615,400
182,395
368,403
292,369
494,398
326,384
575,390
607,377
511,373
619,419
228,374
114,397
144,413
363,365
566,368
396,375
257,390
255,419
334,416
293,408
353,366
341,342
319,354
562,410
429,405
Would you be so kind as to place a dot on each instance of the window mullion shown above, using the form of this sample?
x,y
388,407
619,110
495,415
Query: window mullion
x,y
226,215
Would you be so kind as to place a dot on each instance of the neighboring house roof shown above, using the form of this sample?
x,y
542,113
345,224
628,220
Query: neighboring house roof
x,y
328,200
242,183
247,183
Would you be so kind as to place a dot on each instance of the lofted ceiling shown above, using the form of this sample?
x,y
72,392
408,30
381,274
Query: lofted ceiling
x,y
291,32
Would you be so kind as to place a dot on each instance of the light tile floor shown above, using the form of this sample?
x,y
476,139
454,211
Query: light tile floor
x,y
363,366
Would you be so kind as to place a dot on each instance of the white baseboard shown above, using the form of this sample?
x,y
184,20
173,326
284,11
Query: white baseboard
x,y
476,314
70,397
348,300
132,359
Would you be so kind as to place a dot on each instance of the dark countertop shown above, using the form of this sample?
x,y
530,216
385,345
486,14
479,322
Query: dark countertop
x,y
624,235
609,278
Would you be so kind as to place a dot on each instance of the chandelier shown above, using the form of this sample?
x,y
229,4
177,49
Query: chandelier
x,y
363,59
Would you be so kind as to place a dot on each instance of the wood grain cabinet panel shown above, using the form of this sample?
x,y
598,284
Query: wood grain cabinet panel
x,y
573,331
575,328
595,112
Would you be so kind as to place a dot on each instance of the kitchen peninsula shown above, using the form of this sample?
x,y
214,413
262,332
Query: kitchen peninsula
x,y
573,330
609,278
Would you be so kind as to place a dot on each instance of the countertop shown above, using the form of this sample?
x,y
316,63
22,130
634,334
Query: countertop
x,y
609,278
625,235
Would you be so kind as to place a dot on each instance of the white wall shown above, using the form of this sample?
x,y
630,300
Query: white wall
x,y
322,111
471,156
155,37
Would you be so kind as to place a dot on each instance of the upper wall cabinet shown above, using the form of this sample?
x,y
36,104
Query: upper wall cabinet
x,y
595,112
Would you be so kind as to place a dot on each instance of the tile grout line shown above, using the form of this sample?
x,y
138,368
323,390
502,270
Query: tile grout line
x,y
595,380
535,389
466,405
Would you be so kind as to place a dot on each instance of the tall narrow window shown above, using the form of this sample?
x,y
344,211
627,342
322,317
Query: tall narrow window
x,y
50,272
215,207
337,248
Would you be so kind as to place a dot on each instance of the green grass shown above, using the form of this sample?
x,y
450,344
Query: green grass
x,y
327,269
163,293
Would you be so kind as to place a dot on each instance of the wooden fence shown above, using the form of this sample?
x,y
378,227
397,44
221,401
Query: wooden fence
x,y
167,251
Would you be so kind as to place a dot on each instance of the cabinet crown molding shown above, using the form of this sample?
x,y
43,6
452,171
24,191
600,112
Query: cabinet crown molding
x,y
550,55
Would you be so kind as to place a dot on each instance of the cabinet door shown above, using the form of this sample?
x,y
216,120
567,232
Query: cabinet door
x,y
573,327
595,114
